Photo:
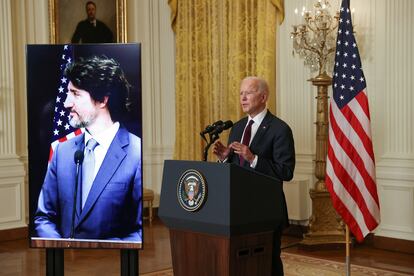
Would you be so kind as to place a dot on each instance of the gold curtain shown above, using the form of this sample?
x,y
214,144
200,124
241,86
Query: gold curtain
x,y
218,43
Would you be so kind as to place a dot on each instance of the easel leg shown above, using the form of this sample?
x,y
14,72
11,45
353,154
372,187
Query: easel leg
x,y
54,262
129,262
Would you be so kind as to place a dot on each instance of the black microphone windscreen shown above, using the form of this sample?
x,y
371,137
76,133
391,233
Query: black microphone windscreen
x,y
211,127
219,129
78,157
227,124
219,122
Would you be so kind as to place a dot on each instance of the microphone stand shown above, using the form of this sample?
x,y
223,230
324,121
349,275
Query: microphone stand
x,y
214,131
72,230
212,137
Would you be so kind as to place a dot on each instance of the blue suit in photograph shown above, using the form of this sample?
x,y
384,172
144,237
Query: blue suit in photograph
x,y
113,207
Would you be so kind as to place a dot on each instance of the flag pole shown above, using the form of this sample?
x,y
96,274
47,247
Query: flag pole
x,y
348,263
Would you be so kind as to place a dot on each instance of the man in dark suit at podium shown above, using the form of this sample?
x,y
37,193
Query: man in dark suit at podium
x,y
262,142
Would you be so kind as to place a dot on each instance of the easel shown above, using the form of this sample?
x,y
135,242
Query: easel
x,y
129,262
54,262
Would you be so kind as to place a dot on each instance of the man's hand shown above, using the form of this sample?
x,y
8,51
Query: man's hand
x,y
221,151
243,151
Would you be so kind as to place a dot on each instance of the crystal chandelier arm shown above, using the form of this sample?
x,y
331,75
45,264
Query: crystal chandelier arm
x,y
310,48
315,38
310,24
333,28
330,51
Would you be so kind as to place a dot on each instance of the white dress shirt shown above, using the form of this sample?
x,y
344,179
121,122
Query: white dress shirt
x,y
104,140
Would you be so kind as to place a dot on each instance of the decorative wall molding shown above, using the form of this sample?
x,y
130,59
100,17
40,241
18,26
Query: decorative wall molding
x,y
305,164
12,196
153,168
12,173
14,234
19,29
7,105
399,81
10,192
11,166
396,245
397,218
157,154
297,199
25,161
398,169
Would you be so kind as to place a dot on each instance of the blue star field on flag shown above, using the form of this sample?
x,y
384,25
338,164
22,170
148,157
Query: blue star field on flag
x,y
61,126
348,78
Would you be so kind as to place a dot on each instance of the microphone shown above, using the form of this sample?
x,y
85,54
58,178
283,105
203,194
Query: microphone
x,y
78,158
214,130
219,129
212,127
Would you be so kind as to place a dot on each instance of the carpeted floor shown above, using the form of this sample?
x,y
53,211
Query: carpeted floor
x,y
295,265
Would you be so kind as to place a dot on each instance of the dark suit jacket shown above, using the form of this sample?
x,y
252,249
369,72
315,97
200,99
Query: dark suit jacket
x,y
274,146
113,207
86,32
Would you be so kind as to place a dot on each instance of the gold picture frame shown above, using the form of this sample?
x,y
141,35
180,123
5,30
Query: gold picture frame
x,y
59,35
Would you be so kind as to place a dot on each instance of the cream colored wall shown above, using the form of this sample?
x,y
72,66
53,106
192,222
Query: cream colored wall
x,y
384,37
13,142
149,23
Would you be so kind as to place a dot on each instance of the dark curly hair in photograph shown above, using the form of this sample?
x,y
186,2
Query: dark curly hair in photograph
x,y
102,76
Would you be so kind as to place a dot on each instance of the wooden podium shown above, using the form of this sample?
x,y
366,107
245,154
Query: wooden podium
x,y
232,232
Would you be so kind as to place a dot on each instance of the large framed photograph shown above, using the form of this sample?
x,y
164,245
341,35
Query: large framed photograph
x,y
98,21
85,145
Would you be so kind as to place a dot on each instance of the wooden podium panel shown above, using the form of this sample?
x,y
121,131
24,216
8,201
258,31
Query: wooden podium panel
x,y
204,254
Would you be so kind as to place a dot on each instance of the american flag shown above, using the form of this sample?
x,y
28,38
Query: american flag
x,y
350,168
62,130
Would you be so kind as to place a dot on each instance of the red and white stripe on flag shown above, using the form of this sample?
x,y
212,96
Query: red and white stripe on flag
x,y
350,167
53,145
62,130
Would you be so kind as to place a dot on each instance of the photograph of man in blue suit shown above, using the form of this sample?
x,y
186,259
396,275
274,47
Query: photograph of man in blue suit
x,y
108,196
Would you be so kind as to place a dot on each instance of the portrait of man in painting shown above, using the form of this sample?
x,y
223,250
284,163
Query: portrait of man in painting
x,y
85,21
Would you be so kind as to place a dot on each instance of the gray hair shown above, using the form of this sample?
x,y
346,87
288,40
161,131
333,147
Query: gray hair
x,y
262,85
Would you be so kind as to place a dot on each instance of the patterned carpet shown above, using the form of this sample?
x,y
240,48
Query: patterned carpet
x,y
295,265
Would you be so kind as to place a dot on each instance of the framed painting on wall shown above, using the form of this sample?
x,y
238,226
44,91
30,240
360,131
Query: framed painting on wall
x,y
98,21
